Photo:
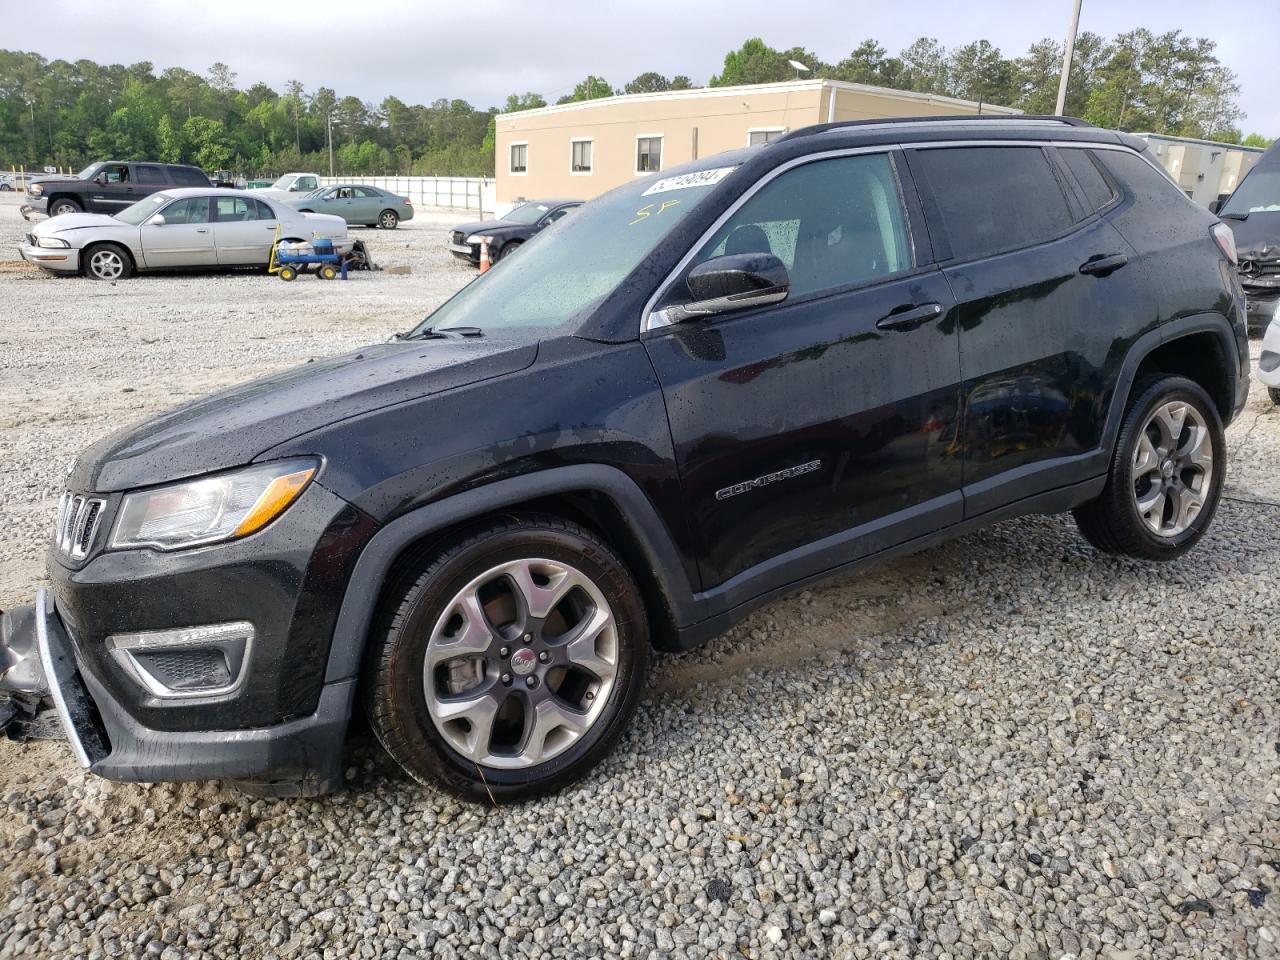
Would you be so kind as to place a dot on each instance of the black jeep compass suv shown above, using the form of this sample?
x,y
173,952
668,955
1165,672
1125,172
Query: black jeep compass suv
x,y
707,387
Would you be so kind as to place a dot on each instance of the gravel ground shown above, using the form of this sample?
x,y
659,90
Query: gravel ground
x,y
1010,746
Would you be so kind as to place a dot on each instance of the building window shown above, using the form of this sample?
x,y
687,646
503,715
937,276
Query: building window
x,y
648,154
580,156
761,135
519,158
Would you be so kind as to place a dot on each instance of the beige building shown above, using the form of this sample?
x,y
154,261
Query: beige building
x,y
1206,170
583,149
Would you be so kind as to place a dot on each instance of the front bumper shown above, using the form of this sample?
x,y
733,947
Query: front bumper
x,y
301,757
35,208
1269,361
466,251
1262,306
59,259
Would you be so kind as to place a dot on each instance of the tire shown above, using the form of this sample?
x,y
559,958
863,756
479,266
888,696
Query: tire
x,y
1274,394
388,219
1178,480
63,205
288,274
591,590
5,188
327,272
507,250
106,261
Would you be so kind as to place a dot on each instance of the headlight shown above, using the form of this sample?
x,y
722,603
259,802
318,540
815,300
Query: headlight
x,y
210,509
51,242
35,189
477,238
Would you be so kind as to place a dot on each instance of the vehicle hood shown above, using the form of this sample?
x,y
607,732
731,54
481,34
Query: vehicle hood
x,y
491,226
1258,237
54,178
74,221
231,428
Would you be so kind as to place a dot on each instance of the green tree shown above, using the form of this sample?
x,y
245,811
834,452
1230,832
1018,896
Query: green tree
x,y
924,67
523,101
650,82
589,88
208,144
979,72
681,82
753,62
1257,140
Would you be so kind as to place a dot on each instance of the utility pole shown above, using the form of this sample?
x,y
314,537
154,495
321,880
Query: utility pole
x,y
329,128
1066,59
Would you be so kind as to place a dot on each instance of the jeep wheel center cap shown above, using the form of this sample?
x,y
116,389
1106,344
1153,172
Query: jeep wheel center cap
x,y
523,661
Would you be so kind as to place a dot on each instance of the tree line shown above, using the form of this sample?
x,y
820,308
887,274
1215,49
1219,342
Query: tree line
x,y
68,114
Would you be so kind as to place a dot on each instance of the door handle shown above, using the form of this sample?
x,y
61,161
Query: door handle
x,y
201,230
908,318
1102,264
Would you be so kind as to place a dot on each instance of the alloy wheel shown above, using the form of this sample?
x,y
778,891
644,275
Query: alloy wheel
x,y
1172,468
106,264
389,220
520,663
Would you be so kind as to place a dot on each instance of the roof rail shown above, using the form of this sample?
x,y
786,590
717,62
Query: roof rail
x,y
974,118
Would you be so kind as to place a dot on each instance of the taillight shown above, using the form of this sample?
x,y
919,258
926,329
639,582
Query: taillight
x,y
1226,240
406,201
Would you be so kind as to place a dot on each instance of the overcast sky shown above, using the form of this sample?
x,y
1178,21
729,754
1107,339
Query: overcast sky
x,y
480,52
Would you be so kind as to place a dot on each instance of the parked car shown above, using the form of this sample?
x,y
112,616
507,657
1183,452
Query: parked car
x,y
506,235
12,182
704,389
106,187
197,227
291,184
356,204
1269,361
1253,213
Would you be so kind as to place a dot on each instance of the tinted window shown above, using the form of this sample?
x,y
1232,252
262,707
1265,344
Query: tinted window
x,y
305,183
1144,180
1097,192
832,222
190,210
992,199
264,211
367,192
187,177
149,173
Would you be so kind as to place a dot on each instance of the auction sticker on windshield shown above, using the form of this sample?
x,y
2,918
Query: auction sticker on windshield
x,y
702,178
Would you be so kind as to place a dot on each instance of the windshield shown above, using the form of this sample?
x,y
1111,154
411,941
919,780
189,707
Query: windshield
x,y
1258,193
283,182
88,172
527,213
567,269
138,212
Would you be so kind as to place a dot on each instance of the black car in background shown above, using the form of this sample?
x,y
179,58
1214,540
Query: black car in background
x,y
704,389
1253,213
506,234
106,187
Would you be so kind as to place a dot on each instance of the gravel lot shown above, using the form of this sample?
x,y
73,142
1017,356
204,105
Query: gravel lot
x,y
1010,746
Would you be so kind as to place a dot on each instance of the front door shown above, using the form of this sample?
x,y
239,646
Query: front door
x,y
243,230
112,190
185,239
824,426
366,204
1045,295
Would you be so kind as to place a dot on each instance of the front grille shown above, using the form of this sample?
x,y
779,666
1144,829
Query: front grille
x,y
187,669
77,524
458,236
31,239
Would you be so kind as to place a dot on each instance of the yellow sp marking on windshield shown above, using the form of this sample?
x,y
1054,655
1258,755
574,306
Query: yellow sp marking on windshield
x,y
647,211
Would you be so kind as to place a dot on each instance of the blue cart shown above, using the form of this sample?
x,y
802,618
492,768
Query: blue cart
x,y
328,262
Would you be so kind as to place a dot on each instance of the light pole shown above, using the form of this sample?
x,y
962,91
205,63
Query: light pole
x,y
1066,59
329,128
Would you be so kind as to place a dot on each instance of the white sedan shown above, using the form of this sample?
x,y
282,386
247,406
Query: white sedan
x,y
181,228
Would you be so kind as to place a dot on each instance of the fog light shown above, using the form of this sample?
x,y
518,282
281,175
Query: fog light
x,y
202,661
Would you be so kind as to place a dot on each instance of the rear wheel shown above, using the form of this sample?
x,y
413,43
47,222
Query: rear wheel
x,y
63,205
288,273
511,663
507,250
388,219
1166,474
107,261
327,272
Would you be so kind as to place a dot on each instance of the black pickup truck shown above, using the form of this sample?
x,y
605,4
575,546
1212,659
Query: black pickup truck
x,y
106,187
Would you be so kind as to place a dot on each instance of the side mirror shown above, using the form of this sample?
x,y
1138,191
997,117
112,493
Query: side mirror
x,y
1215,206
158,220
736,281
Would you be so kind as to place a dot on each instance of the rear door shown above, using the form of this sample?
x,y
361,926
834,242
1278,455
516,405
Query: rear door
x,y
184,240
1048,302
366,204
148,178
243,230
822,426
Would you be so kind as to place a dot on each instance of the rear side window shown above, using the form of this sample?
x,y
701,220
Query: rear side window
x,y
1097,191
1143,179
833,223
188,178
992,199
150,173
190,210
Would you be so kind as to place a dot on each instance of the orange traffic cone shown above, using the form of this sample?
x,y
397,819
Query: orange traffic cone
x,y
484,254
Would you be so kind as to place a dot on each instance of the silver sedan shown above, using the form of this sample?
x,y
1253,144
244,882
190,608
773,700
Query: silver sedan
x,y
181,228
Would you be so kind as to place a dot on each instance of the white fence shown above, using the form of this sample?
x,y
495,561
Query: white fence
x,y
455,193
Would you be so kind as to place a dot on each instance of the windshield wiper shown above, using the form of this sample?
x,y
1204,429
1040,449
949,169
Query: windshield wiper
x,y
431,333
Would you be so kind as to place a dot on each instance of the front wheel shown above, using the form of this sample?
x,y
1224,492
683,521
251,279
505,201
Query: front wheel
x,y
63,205
1166,474
510,664
388,219
288,274
107,262
508,249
